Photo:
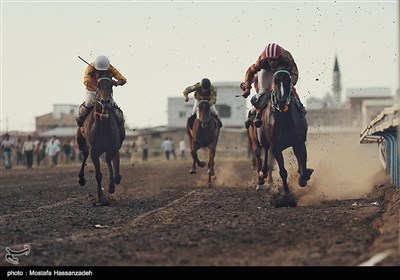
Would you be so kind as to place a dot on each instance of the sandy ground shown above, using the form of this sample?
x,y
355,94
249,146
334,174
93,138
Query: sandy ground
x,y
161,215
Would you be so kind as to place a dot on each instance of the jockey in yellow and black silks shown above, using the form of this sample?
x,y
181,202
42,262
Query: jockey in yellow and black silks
x,y
101,66
201,89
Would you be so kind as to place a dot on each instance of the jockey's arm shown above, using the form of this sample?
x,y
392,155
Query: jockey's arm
x,y
89,80
294,72
190,89
251,72
121,80
213,97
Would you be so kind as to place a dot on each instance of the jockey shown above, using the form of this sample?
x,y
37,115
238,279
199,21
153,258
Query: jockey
x,y
273,58
101,66
201,89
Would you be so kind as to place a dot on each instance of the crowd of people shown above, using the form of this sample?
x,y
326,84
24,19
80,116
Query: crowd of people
x,y
28,152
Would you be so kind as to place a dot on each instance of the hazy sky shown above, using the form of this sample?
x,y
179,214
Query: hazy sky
x,y
163,47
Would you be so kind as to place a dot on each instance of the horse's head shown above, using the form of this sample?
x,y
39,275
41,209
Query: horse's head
x,y
281,90
204,112
104,96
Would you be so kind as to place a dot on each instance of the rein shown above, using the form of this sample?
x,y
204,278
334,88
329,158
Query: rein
x,y
274,99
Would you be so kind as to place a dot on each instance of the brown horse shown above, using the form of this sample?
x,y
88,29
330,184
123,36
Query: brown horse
x,y
101,134
283,127
204,133
264,165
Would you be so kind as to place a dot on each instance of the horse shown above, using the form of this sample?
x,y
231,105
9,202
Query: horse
x,y
99,134
203,133
283,127
264,166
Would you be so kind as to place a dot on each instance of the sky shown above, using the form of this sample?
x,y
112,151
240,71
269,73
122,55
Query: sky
x,y
162,47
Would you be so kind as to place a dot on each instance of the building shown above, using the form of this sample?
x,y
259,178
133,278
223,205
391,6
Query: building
x,y
361,100
63,115
336,85
231,106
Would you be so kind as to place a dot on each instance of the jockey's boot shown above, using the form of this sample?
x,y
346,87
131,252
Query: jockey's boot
x,y
258,121
83,112
249,120
218,121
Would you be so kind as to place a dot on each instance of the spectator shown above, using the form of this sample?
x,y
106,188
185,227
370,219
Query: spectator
x,y
166,145
173,148
6,146
145,149
182,149
28,148
66,148
52,149
18,150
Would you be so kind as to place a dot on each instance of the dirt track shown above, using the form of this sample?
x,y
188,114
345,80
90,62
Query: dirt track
x,y
162,215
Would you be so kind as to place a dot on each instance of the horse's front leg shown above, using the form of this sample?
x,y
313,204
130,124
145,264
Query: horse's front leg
x,y
116,164
99,177
81,175
195,160
282,171
211,162
300,151
80,140
111,185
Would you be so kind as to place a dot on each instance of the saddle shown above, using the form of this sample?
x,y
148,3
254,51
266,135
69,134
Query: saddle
x,y
262,101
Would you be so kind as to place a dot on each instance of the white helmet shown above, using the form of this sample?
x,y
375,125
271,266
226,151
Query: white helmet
x,y
101,63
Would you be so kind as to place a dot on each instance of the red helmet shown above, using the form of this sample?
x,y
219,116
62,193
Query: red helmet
x,y
273,50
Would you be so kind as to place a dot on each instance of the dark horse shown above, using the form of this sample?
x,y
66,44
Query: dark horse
x,y
100,134
203,133
283,127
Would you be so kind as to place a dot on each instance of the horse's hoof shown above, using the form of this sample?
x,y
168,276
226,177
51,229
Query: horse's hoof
x,y
310,171
104,202
117,179
111,188
211,172
209,184
287,200
202,164
302,183
259,187
192,171
261,181
82,181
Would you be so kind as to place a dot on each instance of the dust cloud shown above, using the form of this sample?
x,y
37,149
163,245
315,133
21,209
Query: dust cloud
x,y
344,168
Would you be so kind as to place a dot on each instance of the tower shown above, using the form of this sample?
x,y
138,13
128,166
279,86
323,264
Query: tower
x,y
336,85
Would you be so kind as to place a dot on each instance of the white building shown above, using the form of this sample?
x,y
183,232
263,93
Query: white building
x,y
231,106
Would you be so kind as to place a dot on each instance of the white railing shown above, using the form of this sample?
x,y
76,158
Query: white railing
x,y
383,130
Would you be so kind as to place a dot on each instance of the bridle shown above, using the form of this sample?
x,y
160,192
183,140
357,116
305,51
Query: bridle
x,y
205,119
104,104
274,98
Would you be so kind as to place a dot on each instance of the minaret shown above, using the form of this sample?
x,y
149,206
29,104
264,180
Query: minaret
x,y
336,85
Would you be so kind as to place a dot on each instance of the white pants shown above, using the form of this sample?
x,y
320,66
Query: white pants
x,y
90,95
264,85
89,98
196,105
